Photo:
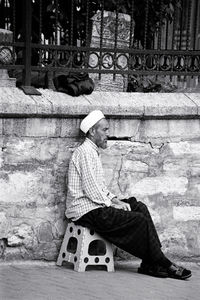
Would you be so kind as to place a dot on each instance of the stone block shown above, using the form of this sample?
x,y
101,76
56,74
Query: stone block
x,y
34,127
66,147
14,253
195,168
14,241
124,128
1,127
175,166
168,130
61,104
1,157
174,241
29,151
163,184
47,251
185,148
186,213
27,187
14,127
135,166
43,127
13,102
4,225
59,228
45,232
44,105
122,105
195,97
70,127
8,82
2,247
159,104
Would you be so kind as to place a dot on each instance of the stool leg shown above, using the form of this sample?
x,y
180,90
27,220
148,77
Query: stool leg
x,y
63,249
109,254
82,252
79,266
110,267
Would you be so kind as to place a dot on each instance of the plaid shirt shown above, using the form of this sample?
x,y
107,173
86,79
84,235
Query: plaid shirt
x,y
86,185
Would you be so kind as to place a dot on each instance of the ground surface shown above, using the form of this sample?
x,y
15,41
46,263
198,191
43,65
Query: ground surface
x,y
27,281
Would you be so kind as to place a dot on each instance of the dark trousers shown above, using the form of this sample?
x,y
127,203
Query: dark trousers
x,y
132,231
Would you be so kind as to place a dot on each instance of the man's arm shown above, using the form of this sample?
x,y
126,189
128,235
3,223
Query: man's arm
x,y
120,204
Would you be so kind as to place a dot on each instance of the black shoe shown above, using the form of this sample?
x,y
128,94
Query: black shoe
x,y
178,272
153,270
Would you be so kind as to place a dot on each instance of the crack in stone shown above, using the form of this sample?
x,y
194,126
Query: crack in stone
x,y
119,174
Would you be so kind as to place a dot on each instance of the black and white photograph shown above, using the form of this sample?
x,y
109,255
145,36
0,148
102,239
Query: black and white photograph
x,y
99,149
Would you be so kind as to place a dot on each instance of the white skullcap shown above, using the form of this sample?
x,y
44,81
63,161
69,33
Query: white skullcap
x,y
91,119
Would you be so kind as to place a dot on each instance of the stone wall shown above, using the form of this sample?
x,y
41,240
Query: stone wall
x,y
153,154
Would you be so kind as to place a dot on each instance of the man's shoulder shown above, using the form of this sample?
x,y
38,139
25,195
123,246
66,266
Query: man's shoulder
x,y
81,150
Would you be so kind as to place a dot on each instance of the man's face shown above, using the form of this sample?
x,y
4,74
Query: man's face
x,y
101,130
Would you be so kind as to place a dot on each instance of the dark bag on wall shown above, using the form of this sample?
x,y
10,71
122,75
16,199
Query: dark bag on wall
x,y
74,84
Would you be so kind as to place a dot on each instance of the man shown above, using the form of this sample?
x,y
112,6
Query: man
x,y
125,223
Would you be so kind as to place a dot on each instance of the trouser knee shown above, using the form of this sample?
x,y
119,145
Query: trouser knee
x,y
143,208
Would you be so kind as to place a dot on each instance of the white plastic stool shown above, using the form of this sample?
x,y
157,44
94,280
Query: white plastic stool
x,y
82,239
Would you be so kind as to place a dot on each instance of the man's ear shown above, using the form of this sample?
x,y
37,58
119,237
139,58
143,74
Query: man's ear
x,y
91,131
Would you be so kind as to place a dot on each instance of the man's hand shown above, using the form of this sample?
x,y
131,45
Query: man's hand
x,y
120,204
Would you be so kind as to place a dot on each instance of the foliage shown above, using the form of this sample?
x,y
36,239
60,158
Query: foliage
x,y
149,84
158,12
58,13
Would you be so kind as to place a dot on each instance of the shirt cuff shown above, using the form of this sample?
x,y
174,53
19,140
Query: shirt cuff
x,y
107,202
110,196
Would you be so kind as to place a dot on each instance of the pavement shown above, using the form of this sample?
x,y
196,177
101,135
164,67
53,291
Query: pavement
x,y
46,281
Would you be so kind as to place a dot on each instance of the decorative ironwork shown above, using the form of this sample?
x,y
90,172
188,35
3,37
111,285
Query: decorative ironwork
x,y
108,42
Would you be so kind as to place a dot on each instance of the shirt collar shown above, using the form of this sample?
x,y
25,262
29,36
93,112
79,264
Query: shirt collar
x,y
93,145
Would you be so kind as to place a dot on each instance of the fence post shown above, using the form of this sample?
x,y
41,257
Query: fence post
x,y
27,88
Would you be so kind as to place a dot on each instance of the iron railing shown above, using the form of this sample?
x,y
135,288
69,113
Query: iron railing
x,y
129,38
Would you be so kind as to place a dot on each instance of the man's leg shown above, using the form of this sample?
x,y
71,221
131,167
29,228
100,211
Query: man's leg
x,y
134,232
128,230
142,208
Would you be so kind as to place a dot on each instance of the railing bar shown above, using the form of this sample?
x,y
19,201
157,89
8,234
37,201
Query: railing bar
x,y
160,25
141,72
87,23
11,67
174,26
167,33
72,31
87,30
181,26
146,23
13,28
116,23
56,24
127,50
131,24
27,50
131,72
131,33
195,25
188,24
116,34
101,37
72,23
40,30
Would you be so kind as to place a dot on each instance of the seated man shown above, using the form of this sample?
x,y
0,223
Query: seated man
x,y
125,223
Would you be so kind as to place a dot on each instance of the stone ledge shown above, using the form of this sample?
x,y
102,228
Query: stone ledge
x,y
14,103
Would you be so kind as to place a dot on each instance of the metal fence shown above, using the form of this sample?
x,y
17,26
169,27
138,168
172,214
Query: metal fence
x,y
132,38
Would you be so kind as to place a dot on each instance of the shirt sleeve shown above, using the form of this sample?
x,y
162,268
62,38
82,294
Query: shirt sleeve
x,y
93,190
